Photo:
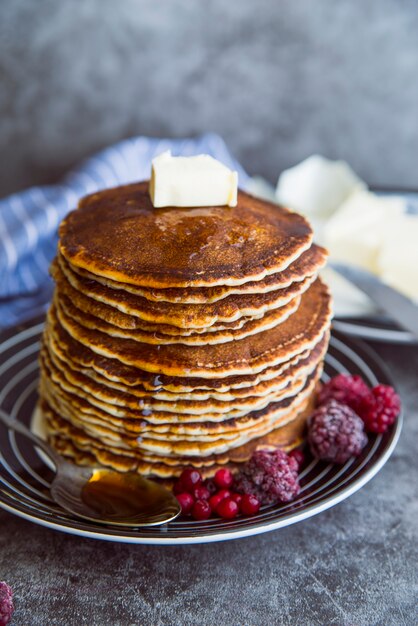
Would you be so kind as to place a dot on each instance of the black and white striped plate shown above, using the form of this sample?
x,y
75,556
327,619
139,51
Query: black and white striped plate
x,y
25,478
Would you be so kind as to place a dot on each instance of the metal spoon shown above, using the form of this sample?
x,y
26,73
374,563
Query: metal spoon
x,y
103,495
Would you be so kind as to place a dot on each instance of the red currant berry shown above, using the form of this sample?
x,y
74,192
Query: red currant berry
x,y
299,457
201,493
227,508
201,510
236,497
214,501
186,502
250,505
224,493
190,478
223,478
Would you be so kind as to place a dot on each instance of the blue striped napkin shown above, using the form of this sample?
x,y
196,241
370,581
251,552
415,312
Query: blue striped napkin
x,y
29,220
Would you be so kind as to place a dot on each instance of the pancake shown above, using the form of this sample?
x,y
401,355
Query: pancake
x,y
127,405
181,337
180,315
116,372
252,327
308,264
248,356
84,450
94,383
199,442
118,234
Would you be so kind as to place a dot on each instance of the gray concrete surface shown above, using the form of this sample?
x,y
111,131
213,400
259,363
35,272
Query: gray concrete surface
x,y
278,80
354,565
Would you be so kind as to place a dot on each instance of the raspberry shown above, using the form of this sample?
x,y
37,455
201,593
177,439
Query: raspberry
x,y
186,502
381,409
249,504
270,475
349,390
336,433
6,604
189,479
223,478
201,510
299,457
227,508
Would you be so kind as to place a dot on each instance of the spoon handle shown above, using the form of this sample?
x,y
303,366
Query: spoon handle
x,y
18,427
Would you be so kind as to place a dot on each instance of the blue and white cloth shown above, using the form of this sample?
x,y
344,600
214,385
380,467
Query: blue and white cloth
x,y
29,220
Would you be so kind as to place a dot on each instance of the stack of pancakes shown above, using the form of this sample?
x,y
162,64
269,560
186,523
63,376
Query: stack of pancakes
x,y
181,337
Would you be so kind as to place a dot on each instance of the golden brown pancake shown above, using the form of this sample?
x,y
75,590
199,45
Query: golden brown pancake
x,y
118,234
84,450
248,356
94,383
252,327
180,315
308,264
116,372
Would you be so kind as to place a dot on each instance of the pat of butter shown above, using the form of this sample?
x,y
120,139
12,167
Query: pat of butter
x,y
192,182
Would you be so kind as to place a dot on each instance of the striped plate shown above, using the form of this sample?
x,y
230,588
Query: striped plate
x,y
25,478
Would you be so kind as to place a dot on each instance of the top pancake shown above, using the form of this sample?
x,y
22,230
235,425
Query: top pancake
x,y
119,235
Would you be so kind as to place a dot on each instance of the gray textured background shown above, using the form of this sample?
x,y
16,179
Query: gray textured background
x,y
278,80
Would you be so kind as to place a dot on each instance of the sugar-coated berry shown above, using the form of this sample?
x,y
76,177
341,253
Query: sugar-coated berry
x,y
236,497
270,475
201,493
224,493
336,433
381,409
224,478
190,478
214,501
227,508
250,505
298,455
201,510
186,502
6,604
346,389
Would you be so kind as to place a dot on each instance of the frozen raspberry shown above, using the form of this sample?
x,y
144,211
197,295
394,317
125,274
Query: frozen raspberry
x,y
186,502
336,433
380,409
6,604
249,504
270,475
189,479
223,478
350,390
298,455
227,508
201,510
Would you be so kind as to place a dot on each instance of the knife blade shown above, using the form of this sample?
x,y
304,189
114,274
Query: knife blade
x,y
400,308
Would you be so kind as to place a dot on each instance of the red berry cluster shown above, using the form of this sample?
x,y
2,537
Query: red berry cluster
x,y
216,496
378,407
